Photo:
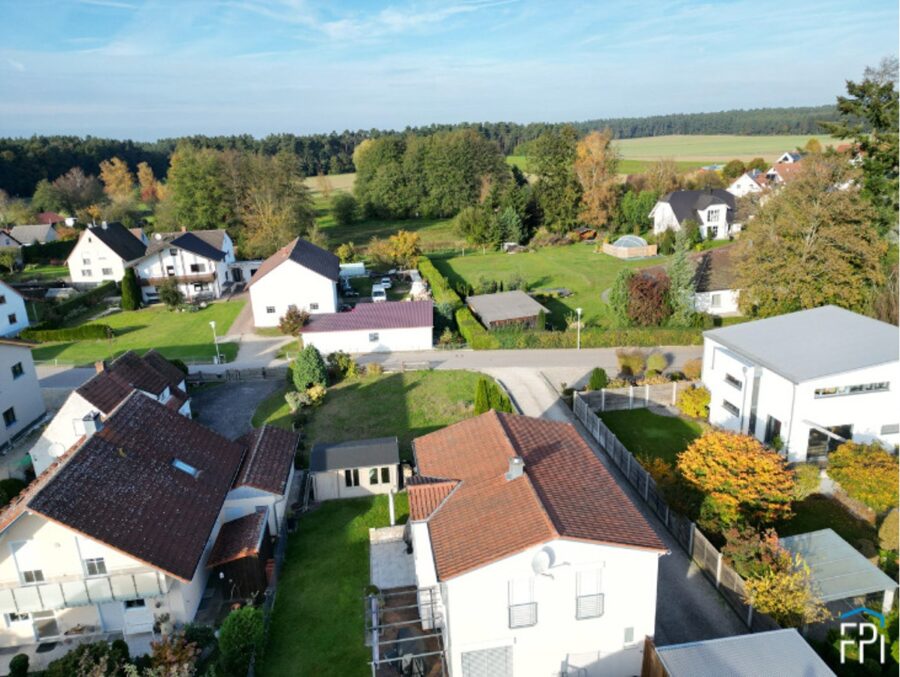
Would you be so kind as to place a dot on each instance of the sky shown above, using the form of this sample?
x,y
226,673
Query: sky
x,y
158,68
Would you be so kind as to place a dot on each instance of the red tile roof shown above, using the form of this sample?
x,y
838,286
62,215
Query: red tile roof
x,y
564,492
50,218
269,461
429,493
237,539
151,373
386,315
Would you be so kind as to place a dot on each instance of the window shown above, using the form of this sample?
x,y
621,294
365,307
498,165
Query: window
x,y
715,301
853,390
588,595
730,408
173,252
313,306
373,476
733,382
494,662
107,271
2,299
270,310
198,268
86,273
135,603
385,475
522,607
201,286
187,468
890,429
351,477
629,636
9,417
12,318
373,337
17,618
33,576
86,262
95,566
712,216
17,370
170,270
773,429
712,231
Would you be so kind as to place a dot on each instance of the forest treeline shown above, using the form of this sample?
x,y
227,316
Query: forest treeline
x,y
24,162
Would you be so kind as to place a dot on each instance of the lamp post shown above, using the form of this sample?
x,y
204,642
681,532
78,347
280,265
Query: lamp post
x,y
578,310
212,324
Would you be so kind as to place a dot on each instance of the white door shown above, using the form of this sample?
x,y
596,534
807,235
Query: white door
x,y
112,616
138,617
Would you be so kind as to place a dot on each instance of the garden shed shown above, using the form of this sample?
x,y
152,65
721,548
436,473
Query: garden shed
x,y
629,247
506,308
356,468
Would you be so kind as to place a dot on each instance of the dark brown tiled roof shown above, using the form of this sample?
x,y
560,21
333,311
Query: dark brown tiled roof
x,y
565,492
714,270
238,538
306,254
170,372
122,489
269,460
374,316
116,382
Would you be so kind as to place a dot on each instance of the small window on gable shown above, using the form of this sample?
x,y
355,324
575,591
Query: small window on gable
x,y
178,464
270,309
2,299
173,252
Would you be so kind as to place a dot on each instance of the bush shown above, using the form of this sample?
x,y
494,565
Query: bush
x,y
867,473
489,395
598,379
693,368
751,553
56,313
694,402
201,635
595,337
131,291
471,330
240,638
666,242
344,209
888,532
648,299
806,480
297,399
293,321
309,368
341,366
681,496
631,362
85,332
657,362
346,252
87,658
18,665
170,294
374,369
44,253
440,287
316,394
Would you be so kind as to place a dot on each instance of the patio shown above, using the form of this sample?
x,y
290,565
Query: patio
x,y
40,655
390,565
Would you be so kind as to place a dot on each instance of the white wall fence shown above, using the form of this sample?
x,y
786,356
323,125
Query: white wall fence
x,y
636,397
704,553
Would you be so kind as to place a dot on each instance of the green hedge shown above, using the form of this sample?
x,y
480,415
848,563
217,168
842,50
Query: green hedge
x,y
84,332
596,338
44,253
57,312
440,286
475,335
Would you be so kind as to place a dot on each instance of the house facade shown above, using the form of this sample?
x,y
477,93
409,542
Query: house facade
x,y
199,261
715,283
21,402
13,313
747,183
299,275
385,327
512,531
806,381
103,253
713,210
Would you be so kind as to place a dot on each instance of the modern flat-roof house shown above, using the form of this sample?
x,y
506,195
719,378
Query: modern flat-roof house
x,y
385,327
299,274
536,561
810,379
103,253
13,313
713,210
506,308
21,402
118,531
356,468
40,233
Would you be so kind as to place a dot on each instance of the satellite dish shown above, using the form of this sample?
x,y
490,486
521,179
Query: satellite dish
x,y
157,236
542,561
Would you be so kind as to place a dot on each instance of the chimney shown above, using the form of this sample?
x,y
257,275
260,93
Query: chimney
x,y
103,225
184,229
516,468
100,366
92,423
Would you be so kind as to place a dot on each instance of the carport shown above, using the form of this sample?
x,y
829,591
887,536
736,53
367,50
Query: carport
x,y
839,572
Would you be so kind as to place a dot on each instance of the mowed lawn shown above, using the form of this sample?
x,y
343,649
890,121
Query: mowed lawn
x,y
40,273
709,148
317,626
578,268
823,512
647,434
182,335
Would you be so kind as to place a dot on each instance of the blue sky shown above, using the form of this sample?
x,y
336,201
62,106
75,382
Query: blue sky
x,y
143,70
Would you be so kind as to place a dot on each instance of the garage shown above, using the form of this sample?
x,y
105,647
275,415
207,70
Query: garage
x,y
386,327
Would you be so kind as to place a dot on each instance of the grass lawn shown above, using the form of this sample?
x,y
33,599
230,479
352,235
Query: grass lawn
x,y
823,512
318,625
714,148
576,267
42,273
185,336
647,434
273,411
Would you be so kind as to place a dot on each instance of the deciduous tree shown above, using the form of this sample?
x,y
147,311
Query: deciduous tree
x,y
552,159
648,300
786,594
118,181
596,164
733,169
867,472
662,176
149,186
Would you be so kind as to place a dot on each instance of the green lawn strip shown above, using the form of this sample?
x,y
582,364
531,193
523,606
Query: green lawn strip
x,y
317,625
647,434
823,512
181,335
273,411
39,272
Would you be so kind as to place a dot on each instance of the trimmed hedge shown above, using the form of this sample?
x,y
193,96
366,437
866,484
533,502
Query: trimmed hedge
x,y
475,335
596,338
56,313
44,253
84,332
440,286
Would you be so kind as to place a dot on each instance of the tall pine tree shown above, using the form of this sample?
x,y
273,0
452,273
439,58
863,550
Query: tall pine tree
x,y
681,282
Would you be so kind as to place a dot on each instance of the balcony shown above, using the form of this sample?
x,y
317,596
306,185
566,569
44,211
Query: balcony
x,y
179,279
74,591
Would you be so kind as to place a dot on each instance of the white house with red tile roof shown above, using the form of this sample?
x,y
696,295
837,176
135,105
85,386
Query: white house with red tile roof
x,y
385,327
543,564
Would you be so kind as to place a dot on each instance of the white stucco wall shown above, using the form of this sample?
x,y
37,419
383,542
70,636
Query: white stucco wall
x,y
664,218
93,262
359,341
291,284
13,304
157,266
22,394
331,484
727,303
743,185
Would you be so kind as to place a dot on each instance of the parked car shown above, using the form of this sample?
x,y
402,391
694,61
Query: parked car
x,y
378,293
386,282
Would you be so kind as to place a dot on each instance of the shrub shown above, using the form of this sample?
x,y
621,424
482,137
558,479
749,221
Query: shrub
x,y
297,399
752,553
806,480
44,253
666,242
787,596
618,296
651,374
657,362
85,300
867,473
598,379
85,332
471,330
309,368
692,369
648,300
131,291
888,532
342,366
489,395
595,337
346,252
482,397
18,665
440,287
87,659
694,402
316,394
344,209
201,635
681,496
676,375
293,321
170,294
374,369
631,362
240,638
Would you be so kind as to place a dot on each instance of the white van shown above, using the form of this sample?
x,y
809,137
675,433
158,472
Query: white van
x,y
378,293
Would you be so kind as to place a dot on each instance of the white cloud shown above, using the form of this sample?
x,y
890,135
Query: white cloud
x,y
113,4
16,65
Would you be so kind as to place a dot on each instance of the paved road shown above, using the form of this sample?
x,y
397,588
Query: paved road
x,y
228,407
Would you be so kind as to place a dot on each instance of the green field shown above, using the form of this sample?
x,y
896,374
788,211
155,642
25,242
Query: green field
x,y
186,336
626,166
714,148
647,434
577,267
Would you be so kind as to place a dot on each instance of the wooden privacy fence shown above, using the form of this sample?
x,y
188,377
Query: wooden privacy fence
x,y
702,552
635,397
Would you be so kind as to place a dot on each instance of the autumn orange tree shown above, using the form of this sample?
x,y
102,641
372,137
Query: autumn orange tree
x,y
596,163
743,482
118,181
867,472
786,594
150,188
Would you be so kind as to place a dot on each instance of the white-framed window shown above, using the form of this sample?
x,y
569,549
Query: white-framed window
x,y
733,382
373,476
18,618
170,271
373,336
351,477
712,216
715,301
107,271
95,566
270,310
522,607
629,636
712,231
86,273
135,603
589,599
9,417
201,286
385,475
730,408
86,261
198,268
890,429
313,306
12,318
173,252
853,390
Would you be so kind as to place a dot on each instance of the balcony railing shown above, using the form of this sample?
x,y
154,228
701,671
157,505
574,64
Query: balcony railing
x,y
179,279
523,615
74,591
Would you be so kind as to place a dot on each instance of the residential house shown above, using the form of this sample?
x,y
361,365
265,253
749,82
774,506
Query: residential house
x,y
52,218
117,533
356,468
748,183
103,253
13,313
715,281
806,381
540,562
21,401
200,262
87,406
507,308
712,210
34,234
7,241
299,275
790,157
783,172
373,328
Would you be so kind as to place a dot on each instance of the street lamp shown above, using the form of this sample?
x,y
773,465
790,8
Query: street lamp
x,y
212,323
578,310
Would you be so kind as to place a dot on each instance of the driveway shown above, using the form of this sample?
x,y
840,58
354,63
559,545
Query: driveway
x,y
228,407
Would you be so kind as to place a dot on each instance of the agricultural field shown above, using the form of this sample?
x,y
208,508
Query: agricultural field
x,y
714,148
337,182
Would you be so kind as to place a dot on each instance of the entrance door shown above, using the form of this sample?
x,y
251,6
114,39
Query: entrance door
x,y
138,617
773,429
45,625
819,445
237,275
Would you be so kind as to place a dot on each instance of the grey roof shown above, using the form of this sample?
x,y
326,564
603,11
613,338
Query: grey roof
x,y
31,234
506,305
120,239
206,243
685,203
354,454
813,343
778,652
306,254
838,570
